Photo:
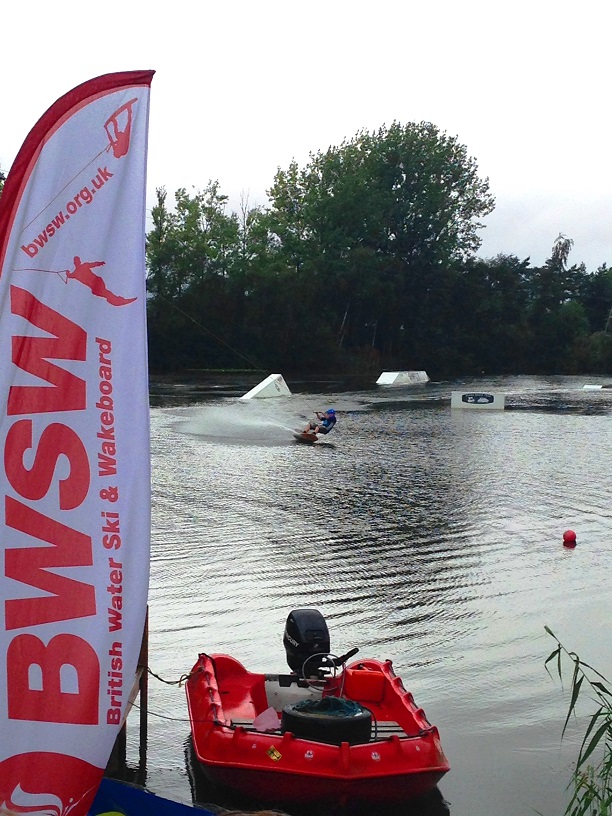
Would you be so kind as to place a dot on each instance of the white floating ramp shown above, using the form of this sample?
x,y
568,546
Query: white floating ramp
x,y
595,387
478,400
272,386
402,378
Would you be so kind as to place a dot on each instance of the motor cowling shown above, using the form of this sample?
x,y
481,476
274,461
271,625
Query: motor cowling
x,y
306,641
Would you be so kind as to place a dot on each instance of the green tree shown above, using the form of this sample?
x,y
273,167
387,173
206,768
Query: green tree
x,y
595,294
555,284
289,221
162,250
485,316
374,221
598,353
561,250
572,338
191,252
194,242
557,318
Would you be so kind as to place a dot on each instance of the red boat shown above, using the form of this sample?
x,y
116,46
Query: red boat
x,y
327,732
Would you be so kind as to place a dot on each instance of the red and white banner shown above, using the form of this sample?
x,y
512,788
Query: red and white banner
x,y
74,431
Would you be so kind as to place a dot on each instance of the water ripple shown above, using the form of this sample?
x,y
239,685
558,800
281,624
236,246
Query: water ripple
x,y
425,535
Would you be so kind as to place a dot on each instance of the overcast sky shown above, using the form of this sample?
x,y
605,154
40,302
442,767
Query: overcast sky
x,y
243,87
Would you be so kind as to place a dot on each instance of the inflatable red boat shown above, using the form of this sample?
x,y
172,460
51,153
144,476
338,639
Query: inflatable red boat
x,y
327,732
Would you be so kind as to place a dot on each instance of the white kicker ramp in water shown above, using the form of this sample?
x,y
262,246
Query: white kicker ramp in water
x,y
402,378
478,400
272,386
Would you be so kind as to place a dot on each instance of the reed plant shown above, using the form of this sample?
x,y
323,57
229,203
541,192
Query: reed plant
x,y
591,782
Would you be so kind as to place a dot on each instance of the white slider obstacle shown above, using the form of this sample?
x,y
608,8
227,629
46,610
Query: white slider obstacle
x,y
402,378
272,386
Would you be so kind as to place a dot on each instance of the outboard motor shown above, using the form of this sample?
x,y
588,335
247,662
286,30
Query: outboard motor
x,y
306,634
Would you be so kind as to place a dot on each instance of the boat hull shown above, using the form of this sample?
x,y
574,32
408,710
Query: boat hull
x,y
285,788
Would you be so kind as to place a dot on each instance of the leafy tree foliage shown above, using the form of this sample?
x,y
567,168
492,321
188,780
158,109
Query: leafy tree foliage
x,y
595,294
191,252
365,259
372,223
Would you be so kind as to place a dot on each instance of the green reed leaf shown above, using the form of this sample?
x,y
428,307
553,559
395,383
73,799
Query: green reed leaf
x,y
576,686
600,686
594,742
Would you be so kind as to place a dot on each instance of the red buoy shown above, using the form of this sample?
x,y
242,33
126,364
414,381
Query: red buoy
x,y
569,538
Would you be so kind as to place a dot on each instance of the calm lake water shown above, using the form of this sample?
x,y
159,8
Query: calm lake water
x,y
423,534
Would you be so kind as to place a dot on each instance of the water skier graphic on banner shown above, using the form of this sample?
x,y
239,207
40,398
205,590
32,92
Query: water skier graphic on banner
x,y
118,129
82,272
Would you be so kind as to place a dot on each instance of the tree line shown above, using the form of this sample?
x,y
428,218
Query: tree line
x,y
365,259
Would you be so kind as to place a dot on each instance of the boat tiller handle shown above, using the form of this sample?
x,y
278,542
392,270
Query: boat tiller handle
x,y
339,661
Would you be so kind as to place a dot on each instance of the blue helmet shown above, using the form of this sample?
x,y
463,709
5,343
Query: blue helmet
x,y
331,411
